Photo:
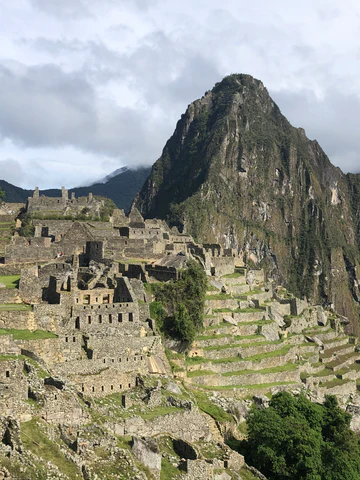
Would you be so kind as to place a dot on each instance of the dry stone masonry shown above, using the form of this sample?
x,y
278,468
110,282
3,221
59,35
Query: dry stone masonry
x,y
82,362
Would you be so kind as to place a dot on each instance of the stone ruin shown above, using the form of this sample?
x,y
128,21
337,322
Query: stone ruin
x,y
84,282
40,204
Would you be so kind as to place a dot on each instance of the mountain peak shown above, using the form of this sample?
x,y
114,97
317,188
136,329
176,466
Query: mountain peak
x,y
235,172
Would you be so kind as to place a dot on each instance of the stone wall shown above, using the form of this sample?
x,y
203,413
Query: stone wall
x,y
114,318
46,350
8,346
174,425
13,386
105,383
9,295
22,320
61,407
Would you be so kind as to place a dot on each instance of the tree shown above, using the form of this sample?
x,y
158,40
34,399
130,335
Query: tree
x,y
183,303
300,440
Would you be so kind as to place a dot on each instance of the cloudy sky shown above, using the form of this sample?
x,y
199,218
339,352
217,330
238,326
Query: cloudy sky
x,y
87,86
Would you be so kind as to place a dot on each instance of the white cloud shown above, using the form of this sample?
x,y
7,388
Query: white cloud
x,y
103,82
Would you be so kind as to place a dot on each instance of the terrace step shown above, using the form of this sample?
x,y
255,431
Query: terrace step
x,y
352,372
343,361
244,379
241,350
222,339
333,353
335,343
233,364
326,335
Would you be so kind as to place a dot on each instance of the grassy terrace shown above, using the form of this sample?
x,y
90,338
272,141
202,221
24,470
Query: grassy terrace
x,y
4,357
336,350
200,373
288,367
323,373
343,359
249,310
10,281
242,345
248,387
27,334
15,306
234,275
317,330
253,358
334,383
332,340
256,322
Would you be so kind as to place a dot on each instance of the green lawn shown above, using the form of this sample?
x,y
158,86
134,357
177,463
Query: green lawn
x,y
288,367
249,387
233,275
27,334
15,306
10,281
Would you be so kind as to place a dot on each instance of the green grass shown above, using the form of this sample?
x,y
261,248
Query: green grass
x,y
247,475
168,470
222,310
15,307
233,275
242,345
256,322
132,260
200,373
221,325
256,291
329,353
334,383
249,310
323,373
27,334
4,357
35,440
249,387
10,281
255,358
206,406
195,360
247,337
288,367
172,355
158,412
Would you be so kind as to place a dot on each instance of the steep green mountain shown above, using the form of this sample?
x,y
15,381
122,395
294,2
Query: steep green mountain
x,y
120,188
235,172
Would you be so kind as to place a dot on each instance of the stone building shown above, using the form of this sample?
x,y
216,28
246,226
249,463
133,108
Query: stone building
x,y
64,205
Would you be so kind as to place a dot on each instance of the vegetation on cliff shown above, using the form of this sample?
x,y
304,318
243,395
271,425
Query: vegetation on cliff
x,y
179,306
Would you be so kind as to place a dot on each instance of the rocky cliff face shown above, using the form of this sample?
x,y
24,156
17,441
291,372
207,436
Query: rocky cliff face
x,y
236,172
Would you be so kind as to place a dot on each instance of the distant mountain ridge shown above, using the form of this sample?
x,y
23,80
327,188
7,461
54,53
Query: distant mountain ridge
x,y
121,186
